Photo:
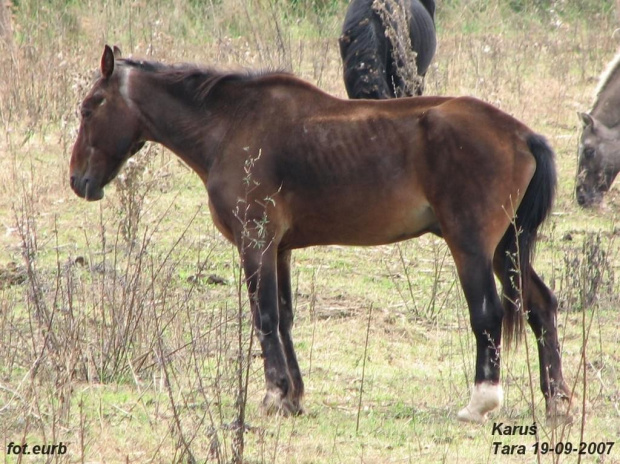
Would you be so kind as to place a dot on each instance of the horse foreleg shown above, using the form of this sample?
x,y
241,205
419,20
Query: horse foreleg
x,y
286,323
260,271
542,318
486,313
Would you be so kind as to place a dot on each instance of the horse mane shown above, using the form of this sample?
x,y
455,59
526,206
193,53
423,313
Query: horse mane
x,y
610,73
197,82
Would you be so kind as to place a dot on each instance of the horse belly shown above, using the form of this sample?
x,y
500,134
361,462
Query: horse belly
x,y
394,225
356,219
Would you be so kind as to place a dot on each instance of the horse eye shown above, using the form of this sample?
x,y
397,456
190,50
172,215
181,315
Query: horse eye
x,y
588,152
85,112
87,109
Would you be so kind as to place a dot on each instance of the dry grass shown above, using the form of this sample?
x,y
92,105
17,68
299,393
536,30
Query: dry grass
x,y
124,330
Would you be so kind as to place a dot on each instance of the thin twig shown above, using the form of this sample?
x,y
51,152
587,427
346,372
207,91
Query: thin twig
x,y
359,405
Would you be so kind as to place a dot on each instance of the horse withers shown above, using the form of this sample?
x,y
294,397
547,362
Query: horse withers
x,y
599,142
351,172
387,47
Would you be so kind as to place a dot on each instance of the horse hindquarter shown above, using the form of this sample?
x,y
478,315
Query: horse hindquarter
x,y
476,170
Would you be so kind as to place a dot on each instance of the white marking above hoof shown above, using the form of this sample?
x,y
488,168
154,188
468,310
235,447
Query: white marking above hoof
x,y
485,397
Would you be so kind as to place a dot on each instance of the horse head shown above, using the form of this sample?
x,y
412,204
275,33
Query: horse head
x,y
109,133
599,160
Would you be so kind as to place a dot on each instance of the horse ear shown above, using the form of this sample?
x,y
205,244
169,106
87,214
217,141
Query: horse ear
x,y
586,119
117,53
107,62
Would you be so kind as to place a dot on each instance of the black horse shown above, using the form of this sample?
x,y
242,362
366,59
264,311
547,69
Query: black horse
x,y
378,37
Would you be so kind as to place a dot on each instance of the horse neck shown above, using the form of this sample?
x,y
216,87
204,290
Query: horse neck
x,y
174,120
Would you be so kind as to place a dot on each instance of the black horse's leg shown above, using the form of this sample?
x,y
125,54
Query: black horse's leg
x,y
260,272
486,314
286,322
542,318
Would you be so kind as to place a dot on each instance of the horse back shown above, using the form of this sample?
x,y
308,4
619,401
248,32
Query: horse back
x,y
369,172
335,172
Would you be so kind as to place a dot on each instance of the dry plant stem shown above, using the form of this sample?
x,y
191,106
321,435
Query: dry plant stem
x,y
432,311
175,410
401,258
243,376
313,317
392,12
359,404
585,336
82,433
531,387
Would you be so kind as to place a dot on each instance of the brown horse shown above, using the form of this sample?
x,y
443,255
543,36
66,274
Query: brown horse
x,y
287,166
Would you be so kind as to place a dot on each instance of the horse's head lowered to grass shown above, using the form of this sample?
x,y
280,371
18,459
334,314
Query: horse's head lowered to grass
x,y
599,142
599,160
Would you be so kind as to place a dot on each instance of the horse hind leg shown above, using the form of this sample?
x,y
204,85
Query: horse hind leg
x,y
542,318
486,313
541,305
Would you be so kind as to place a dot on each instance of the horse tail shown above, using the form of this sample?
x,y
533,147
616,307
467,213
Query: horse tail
x,y
364,50
517,246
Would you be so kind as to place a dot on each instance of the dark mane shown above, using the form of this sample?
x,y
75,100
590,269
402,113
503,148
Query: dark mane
x,y
194,81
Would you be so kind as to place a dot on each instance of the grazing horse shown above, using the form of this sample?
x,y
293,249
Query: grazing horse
x,y
376,42
599,143
288,166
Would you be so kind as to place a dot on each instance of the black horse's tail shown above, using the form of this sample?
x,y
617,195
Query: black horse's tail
x,y
363,45
517,245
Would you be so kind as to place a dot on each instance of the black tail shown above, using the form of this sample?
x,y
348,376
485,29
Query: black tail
x,y
363,45
517,245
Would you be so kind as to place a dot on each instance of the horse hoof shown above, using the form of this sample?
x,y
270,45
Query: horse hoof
x,y
555,420
562,411
467,415
485,397
275,404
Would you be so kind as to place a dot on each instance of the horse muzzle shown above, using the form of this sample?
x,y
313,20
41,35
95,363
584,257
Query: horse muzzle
x,y
587,199
86,187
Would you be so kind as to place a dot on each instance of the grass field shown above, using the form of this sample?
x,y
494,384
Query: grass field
x,y
124,328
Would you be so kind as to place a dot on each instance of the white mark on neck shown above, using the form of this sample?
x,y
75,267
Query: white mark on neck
x,y
125,83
